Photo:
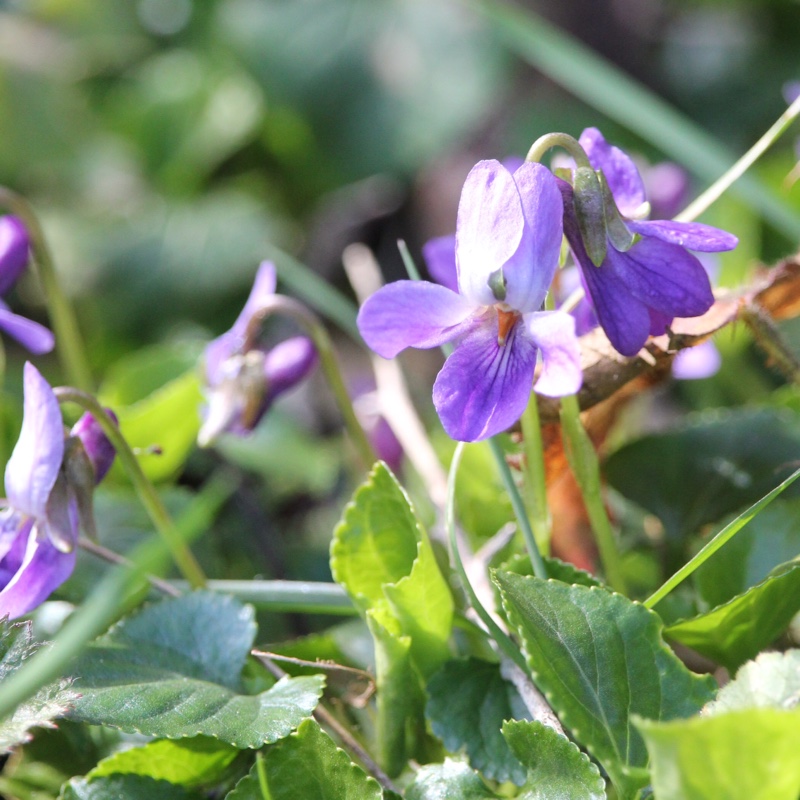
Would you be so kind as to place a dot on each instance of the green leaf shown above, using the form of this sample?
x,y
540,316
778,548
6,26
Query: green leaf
x,y
557,769
557,569
125,787
383,558
738,630
468,700
739,755
771,681
709,467
174,670
308,765
189,762
51,701
451,780
599,658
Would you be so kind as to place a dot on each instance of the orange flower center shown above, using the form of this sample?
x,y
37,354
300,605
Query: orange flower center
x,y
505,322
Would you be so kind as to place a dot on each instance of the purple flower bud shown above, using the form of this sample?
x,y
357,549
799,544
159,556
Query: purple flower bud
x,y
287,364
14,247
95,443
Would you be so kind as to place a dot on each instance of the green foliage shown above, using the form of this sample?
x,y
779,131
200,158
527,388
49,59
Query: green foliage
x,y
738,630
468,700
448,781
47,703
599,658
125,787
174,670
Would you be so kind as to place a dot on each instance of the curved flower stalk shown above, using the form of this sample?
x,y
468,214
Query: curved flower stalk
x,y
243,378
508,237
49,481
647,276
14,252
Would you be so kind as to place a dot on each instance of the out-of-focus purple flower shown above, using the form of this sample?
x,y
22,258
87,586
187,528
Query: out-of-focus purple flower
x,y
700,361
95,443
380,434
666,186
243,377
48,481
508,238
14,247
638,289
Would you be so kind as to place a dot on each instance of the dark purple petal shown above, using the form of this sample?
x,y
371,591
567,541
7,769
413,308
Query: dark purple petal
x,y
663,276
412,314
691,235
553,332
667,188
701,361
530,271
43,569
14,247
96,444
483,387
235,339
31,335
658,322
36,459
620,172
440,258
490,228
288,363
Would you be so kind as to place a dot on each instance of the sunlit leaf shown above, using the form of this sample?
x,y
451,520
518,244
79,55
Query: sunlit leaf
x,y
451,780
125,787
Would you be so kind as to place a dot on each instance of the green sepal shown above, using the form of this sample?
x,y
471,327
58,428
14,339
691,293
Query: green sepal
x,y
590,213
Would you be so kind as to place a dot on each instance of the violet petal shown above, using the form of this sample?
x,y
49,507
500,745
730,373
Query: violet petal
x,y
288,363
701,361
440,258
620,172
14,247
36,459
96,444
483,388
691,235
553,333
412,314
31,335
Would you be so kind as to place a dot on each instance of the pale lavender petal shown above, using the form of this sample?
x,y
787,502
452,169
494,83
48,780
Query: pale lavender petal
x,y
11,522
490,228
691,235
553,332
14,246
412,314
663,276
530,270
33,467
483,387
31,335
234,340
693,363
620,172
42,571
440,258
791,91
288,363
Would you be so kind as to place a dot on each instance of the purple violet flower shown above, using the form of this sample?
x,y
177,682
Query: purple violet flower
x,y
636,293
48,481
14,247
243,377
508,238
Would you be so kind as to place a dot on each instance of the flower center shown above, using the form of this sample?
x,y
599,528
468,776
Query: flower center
x,y
505,322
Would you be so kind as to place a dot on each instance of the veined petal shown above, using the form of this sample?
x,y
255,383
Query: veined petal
x,y
218,350
483,387
440,258
42,571
663,276
691,235
412,314
553,332
31,335
530,270
490,228
11,523
623,178
33,467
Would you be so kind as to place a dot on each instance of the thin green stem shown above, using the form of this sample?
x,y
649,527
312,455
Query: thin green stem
x,y
539,567
720,539
502,640
534,475
722,184
408,261
150,498
261,771
70,344
280,304
586,469
563,140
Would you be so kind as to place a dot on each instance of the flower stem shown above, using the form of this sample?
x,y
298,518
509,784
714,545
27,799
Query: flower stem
x,y
534,475
539,567
150,498
722,184
70,345
280,304
586,468
563,140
